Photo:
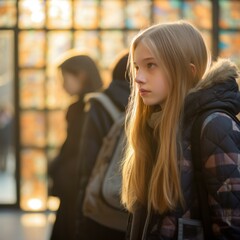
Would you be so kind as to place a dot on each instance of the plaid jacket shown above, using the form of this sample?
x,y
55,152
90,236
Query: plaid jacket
x,y
220,150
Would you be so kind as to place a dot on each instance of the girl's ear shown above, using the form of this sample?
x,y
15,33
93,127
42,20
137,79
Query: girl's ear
x,y
193,69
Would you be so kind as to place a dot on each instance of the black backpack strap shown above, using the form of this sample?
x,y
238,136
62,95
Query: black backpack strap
x,y
197,165
199,178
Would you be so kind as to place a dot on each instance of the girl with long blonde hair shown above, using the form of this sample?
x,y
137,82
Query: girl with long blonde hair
x,y
172,81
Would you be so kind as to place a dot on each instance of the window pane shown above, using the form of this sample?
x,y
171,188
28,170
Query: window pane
x,y
229,45
31,48
112,14
51,154
138,14
56,132
88,42
7,119
32,125
8,13
58,43
130,36
59,14
86,14
198,12
31,14
56,96
208,38
32,88
229,14
111,46
33,184
166,10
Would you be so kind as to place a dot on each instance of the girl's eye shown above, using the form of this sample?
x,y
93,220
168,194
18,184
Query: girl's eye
x,y
151,65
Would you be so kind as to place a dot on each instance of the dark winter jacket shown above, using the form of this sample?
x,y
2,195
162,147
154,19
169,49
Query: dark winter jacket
x,y
97,124
64,175
66,161
220,151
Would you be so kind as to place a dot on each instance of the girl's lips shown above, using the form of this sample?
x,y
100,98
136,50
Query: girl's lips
x,y
143,92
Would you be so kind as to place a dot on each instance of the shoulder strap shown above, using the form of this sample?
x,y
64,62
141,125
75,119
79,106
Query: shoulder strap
x,y
106,102
199,178
197,164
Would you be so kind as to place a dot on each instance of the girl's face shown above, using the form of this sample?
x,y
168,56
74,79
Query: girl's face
x,y
73,84
151,81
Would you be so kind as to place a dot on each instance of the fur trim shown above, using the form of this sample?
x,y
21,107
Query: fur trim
x,y
220,71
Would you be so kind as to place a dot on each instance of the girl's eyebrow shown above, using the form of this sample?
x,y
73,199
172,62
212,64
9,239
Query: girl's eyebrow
x,y
148,58
145,60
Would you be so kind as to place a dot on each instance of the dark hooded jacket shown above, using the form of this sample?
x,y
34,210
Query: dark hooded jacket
x,y
220,152
97,124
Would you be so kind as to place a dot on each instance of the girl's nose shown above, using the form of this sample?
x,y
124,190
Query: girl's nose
x,y
140,79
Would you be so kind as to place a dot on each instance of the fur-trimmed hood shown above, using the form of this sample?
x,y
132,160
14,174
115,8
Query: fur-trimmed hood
x,y
217,90
219,72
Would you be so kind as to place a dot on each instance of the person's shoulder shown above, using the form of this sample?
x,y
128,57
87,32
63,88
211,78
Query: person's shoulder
x,y
218,126
92,103
95,109
76,105
75,109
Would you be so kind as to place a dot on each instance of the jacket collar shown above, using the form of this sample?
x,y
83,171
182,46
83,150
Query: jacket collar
x,y
219,72
119,91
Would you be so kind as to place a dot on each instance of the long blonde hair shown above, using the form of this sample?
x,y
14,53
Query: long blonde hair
x,y
151,169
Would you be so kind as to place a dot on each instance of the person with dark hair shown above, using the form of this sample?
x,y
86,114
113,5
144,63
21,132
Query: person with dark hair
x,y
80,76
96,126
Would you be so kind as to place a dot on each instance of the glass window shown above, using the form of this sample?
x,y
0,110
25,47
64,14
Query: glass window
x,y
57,98
111,45
7,119
166,10
88,42
112,14
31,48
86,14
138,14
33,128
52,153
229,45
8,13
229,14
32,88
31,14
33,185
208,38
59,14
46,29
129,36
56,132
199,12
58,42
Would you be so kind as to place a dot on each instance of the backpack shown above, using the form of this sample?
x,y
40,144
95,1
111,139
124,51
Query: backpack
x,y
102,201
197,166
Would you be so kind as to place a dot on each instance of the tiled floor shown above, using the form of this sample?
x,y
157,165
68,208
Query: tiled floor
x,y
17,225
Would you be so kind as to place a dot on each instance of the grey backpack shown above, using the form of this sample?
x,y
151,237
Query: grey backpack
x,y
102,196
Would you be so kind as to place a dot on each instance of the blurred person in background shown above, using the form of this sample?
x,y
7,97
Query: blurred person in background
x,y
97,124
80,76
